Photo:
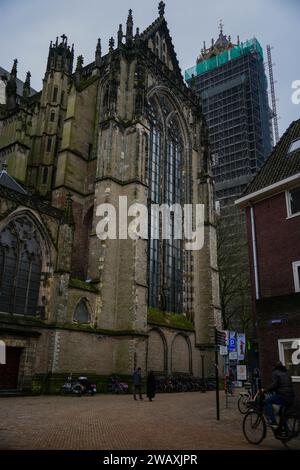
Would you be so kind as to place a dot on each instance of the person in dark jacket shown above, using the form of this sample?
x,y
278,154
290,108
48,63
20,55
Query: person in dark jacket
x,y
282,391
137,383
151,385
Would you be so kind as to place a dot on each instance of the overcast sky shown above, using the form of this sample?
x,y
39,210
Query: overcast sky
x,y
27,26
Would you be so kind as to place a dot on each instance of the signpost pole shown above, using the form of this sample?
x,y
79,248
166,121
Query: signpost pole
x,y
217,376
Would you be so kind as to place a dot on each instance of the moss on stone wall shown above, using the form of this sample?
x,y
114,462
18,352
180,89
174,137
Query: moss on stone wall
x,y
171,320
79,284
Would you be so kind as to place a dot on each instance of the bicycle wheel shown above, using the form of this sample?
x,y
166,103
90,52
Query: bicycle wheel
x,y
292,441
243,404
254,427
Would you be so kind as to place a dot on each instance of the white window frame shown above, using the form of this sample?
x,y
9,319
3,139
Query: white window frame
x,y
296,274
288,205
295,378
292,143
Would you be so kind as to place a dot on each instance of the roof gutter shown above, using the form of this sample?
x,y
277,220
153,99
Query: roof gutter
x,y
268,191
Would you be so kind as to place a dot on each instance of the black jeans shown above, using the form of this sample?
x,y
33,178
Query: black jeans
x,y
137,389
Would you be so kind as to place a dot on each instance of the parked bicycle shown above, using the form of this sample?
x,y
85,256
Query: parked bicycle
x,y
255,425
78,387
116,386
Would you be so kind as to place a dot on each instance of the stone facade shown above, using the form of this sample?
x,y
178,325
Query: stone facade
x,y
83,141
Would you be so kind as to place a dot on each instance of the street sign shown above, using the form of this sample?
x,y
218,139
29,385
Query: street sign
x,y
241,346
221,338
241,372
232,342
233,356
223,350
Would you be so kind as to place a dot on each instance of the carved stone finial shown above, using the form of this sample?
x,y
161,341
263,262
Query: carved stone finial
x,y
161,8
120,35
98,52
26,87
111,44
129,28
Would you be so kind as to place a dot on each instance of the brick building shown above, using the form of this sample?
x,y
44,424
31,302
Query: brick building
x,y
272,204
123,125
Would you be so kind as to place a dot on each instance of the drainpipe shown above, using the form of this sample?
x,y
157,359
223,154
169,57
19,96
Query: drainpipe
x,y
254,251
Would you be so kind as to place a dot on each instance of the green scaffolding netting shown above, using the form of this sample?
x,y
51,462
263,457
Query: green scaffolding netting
x,y
247,47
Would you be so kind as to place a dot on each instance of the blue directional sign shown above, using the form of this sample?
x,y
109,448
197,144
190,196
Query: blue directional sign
x,y
232,344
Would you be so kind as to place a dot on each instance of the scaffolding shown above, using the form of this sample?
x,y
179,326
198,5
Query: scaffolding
x,y
273,96
247,47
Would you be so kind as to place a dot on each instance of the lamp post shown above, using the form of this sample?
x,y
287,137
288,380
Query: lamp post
x,y
202,366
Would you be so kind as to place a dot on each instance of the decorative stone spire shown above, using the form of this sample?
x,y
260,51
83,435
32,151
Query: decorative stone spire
x,y
120,35
79,66
137,35
111,44
129,28
13,73
11,87
26,87
161,8
98,52
60,56
68,217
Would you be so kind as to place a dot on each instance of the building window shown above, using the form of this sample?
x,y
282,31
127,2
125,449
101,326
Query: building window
x,y
49,142
20,267
62,98
165,257
52,116
81,314
296,272
293,202
294,146
289,355
45,175
55,92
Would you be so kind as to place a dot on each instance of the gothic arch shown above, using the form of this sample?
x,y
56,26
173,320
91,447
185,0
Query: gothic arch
x,y
24,258
45,240
157,351
161,90
181,354
82,311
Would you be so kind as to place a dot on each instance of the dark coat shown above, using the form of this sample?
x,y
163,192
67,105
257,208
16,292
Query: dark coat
x,y
282,385
151,385
137,377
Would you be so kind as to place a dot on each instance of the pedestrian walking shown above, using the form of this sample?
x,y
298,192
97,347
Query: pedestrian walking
x,y
151,386
137,383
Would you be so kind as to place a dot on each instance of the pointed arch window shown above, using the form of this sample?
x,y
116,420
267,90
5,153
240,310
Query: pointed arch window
x,y
154,197
165,257
20,267
81,314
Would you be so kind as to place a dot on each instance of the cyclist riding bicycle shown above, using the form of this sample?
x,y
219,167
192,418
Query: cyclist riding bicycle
x,y
282,392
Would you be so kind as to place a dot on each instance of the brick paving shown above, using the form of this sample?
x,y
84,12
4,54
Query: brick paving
x,y
111,422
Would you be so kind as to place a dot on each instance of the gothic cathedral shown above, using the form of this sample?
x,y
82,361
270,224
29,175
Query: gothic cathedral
x,y
124,125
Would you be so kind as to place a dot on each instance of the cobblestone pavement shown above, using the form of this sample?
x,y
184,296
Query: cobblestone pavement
x,y
172,421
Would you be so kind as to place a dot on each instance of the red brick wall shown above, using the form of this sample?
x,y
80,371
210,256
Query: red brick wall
x,y
278,246
268,336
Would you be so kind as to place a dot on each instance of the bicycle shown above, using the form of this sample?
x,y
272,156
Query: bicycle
x,y
255,425
246,399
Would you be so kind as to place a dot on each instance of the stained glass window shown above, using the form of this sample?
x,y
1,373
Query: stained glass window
x,y
165,257
20,267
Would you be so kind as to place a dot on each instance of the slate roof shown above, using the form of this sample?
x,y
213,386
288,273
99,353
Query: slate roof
x,y
280,164
9,182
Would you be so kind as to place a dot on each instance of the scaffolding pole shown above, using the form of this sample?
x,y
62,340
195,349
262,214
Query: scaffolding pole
x,y
273,96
